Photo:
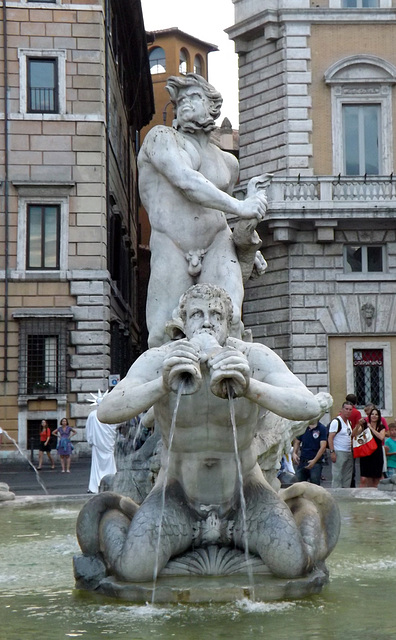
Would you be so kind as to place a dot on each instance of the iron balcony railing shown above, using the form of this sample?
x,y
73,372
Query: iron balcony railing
x,y
42,100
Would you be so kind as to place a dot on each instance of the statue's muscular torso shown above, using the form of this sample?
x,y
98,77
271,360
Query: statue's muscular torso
x,y
190,225
203,451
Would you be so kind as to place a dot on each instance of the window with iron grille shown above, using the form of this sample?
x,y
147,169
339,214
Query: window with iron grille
x,y
42,237
42,356
368,375
42,85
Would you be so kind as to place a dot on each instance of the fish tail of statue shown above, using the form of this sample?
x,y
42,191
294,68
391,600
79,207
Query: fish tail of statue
x,y
133,551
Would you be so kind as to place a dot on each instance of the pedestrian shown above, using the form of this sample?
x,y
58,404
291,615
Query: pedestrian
x,y
390,450
45,439
308,451
340,432
368,408
353,419
65,447
355,413
371,467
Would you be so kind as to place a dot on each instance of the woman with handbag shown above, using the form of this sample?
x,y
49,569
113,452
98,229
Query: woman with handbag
x,y
371,466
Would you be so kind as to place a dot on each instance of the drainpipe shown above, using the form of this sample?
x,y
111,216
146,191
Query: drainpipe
x,y
6,194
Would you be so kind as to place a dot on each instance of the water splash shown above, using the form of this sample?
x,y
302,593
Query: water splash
x,y
245,539
138,433
165,481
264,607
18,448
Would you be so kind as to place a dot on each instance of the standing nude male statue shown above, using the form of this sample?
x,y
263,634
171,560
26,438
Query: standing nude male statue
x,y
202,482
185,184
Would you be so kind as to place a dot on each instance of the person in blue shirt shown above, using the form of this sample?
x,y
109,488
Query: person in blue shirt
x,y
390,450
308,451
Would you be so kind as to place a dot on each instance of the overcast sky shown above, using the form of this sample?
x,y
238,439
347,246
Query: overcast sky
x,y
205,20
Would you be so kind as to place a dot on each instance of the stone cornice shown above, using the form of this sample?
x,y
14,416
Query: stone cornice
x,y
43,312
248,29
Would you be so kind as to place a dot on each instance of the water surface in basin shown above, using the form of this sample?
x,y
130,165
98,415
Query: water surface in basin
x,y
38,600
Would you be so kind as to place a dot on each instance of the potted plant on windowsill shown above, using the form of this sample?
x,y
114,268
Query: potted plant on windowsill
x,y
43,387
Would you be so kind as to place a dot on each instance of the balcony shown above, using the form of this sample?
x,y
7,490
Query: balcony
x,y
325,202
336,196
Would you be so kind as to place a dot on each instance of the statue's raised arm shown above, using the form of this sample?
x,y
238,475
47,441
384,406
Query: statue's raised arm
x,y
185,184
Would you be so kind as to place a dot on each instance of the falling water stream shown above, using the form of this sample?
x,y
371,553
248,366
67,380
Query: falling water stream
x,y
241,493
18,448
165,482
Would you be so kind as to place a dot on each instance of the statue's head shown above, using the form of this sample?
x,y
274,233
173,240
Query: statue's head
x,y
203,308
197,104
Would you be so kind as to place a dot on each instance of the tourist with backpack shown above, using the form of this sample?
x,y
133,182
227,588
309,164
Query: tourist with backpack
x,y
340,445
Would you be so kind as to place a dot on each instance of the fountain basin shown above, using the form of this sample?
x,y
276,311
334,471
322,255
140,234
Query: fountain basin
x,y
38,598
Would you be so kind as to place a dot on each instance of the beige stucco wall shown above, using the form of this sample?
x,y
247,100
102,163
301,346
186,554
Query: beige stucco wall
x,y
330,43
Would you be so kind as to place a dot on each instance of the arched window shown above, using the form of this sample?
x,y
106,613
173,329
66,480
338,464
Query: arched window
x,y
198,65
157,60
183,61
361,95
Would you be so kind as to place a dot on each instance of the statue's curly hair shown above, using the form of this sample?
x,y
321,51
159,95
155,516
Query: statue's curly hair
x,y
175,83
203,290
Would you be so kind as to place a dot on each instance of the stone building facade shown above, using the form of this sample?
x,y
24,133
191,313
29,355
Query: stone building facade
x,y
318,112
75,91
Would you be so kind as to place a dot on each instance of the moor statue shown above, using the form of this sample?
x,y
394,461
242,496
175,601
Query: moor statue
x,y
202,482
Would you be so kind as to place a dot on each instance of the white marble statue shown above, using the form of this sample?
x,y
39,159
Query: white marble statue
x,y
225,408
185,184
202,491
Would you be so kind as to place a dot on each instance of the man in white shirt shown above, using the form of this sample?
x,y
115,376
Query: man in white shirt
x,y
340,432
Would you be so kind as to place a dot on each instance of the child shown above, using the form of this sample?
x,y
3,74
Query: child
x,y
390,450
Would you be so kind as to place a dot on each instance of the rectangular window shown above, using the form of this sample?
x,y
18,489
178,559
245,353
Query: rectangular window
x,y
42,356
364,259
359,4
42,364
368,376
42,85
361,126
42,238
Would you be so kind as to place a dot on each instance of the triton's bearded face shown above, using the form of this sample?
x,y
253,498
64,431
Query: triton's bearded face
x,y
193,110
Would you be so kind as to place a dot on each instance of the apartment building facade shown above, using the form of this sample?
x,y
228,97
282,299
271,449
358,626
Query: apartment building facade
x,y
318,112
75,91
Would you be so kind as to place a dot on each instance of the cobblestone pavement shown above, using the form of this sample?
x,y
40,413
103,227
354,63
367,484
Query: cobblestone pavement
x,y
23,481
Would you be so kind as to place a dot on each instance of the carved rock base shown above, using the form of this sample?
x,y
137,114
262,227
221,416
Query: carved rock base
x,y
179,584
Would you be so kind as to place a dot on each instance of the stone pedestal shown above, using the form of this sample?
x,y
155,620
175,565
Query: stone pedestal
x,y
206,589
212,574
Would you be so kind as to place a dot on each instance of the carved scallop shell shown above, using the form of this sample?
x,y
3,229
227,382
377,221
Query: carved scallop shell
x,y
213,561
